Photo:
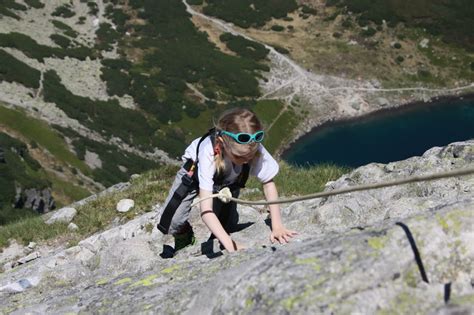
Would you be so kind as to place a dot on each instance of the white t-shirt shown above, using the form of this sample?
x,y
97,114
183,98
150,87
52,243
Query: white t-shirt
x,y
264,166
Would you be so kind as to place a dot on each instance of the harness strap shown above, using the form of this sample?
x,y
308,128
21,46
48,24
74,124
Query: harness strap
x,y
210,133
180,193
244,175
188,181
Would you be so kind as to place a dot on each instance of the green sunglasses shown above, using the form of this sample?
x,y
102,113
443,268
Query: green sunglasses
x,y
245,138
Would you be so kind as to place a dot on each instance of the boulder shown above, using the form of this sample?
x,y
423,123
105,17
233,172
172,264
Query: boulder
x,y
92,159
424,43
72,227
26,259
31,245
383,101
63,215
125,205
134,177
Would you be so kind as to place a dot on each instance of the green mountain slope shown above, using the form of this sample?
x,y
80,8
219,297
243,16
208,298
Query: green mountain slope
x,y
36,165
453,20
18,172
124,86
176,94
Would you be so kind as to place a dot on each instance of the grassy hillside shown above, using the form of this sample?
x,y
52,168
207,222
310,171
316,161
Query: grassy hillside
x,y
149,189
35,161
13,70
170,85
154,67
17,169
453,20
37,131
394,49
249,13
421,43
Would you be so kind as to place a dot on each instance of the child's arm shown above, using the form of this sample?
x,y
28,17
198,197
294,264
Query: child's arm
x,y
279,232
213,223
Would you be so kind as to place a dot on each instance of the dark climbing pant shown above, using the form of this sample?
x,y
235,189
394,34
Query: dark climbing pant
x,y
227,213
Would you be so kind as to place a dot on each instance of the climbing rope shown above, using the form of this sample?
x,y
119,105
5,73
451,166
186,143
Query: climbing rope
x,y
225,194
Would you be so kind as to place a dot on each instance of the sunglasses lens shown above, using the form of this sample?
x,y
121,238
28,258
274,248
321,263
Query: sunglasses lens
x,y
244,138
259,136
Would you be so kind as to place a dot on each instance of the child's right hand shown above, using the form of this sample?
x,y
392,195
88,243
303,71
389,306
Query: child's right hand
x,y
239,246
236,247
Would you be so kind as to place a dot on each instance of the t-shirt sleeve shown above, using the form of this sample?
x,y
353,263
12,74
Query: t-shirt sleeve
x,y
206,166
265,168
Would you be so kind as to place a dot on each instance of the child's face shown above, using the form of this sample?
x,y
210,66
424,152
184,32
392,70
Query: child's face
x,y
240,159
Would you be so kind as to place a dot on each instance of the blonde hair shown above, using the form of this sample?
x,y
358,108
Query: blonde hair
x,y
236,120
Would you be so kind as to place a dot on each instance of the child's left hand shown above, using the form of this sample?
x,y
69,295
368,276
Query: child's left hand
x,y
282,235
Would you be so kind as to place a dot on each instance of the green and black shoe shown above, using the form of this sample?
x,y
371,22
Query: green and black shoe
x,y
183,240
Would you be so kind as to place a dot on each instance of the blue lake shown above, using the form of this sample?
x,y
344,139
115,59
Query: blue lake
x,y
388,136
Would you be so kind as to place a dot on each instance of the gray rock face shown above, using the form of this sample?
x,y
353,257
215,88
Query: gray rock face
x,y
355,253
62,215
2,155
39,200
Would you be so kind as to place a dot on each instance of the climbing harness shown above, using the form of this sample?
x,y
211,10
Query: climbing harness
x,y
189,181
224,195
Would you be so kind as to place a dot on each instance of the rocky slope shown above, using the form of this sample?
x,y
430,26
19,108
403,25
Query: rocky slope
x,y
354,253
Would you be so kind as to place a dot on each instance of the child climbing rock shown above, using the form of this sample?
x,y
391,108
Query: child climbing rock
x,y
224,157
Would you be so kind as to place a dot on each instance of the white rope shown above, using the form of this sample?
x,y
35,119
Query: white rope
x,y
225,194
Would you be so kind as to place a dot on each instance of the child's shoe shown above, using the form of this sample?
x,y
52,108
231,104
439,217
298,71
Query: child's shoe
x,y
183,240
